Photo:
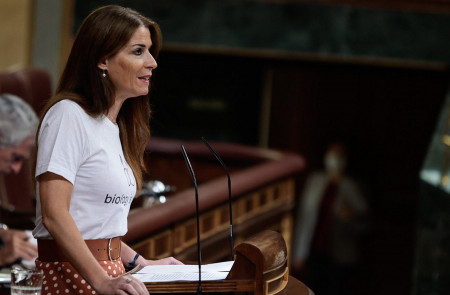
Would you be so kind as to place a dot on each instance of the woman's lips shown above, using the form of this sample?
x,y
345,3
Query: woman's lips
x,y
145,79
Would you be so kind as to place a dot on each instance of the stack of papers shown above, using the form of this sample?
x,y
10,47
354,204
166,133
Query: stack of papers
x,y
171,273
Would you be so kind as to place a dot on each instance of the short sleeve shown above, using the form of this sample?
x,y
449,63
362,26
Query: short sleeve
x,y
61,140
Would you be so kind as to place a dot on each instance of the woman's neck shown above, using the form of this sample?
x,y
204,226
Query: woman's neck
x,y
113,111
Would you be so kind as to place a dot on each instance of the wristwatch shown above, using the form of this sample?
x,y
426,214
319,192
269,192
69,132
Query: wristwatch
x,y
3,226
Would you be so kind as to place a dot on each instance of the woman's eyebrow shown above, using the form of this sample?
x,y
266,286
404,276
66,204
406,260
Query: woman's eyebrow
x,y
141,45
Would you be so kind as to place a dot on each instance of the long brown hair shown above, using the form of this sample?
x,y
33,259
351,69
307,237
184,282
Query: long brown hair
x,y
101,35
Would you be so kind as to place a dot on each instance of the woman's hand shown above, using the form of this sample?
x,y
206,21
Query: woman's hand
x,y
128,254
122,285
164,261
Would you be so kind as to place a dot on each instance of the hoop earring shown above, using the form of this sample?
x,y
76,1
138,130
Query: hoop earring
x,y
104,74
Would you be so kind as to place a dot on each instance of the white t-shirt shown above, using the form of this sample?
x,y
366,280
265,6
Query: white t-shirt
x,y
87,152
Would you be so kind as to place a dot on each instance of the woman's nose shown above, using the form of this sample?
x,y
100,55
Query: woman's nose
x,y
151,62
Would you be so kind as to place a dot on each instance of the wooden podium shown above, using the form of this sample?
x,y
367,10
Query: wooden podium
x,y
260,268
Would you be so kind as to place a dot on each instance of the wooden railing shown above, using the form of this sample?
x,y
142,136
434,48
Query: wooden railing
x,y
263,197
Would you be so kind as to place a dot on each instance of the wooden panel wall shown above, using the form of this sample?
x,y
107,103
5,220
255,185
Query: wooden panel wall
x,y
15,34
265,208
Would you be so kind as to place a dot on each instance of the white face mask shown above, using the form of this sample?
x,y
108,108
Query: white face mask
x,y
334,163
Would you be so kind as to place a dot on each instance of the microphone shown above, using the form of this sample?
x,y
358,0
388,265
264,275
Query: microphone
x,y
229,194
191,171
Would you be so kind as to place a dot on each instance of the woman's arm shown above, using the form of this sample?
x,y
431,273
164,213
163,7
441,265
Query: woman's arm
x,y
55,194
127,254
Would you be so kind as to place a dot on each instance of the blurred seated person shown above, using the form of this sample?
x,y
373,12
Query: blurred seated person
x,y
18,124
329,221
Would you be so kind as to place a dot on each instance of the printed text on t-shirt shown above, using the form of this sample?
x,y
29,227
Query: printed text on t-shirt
x,y
118,200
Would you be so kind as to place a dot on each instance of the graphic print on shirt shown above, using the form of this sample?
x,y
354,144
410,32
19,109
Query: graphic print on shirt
x,y
118,200
127,173
122,199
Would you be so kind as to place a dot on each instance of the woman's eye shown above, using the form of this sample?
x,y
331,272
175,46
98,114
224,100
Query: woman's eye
x,y
138,51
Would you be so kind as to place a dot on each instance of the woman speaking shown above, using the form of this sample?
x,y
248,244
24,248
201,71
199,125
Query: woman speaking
x,y
89,160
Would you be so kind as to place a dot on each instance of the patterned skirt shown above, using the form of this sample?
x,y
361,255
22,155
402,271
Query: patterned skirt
x,y
62,278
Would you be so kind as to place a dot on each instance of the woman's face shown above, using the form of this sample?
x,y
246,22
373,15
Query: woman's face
x,y
131,68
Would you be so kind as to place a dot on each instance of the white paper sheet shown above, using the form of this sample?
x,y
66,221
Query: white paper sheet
x,y
30,263
169,273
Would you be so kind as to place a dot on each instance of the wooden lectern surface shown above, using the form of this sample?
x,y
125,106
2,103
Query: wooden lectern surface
x,y
294,287
260,268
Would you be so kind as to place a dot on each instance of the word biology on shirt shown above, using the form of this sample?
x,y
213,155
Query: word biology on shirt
x,y
116,200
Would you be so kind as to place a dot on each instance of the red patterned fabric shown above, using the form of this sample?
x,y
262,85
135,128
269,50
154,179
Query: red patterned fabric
x,y
62,278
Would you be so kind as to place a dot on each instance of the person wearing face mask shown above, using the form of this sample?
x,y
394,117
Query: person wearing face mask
x,y
329,222
18,122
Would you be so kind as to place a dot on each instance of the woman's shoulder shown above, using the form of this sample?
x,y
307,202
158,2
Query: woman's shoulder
x,y
66,108
66,104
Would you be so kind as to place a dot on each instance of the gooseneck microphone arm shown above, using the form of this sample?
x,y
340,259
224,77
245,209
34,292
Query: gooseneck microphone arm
x,y
229,194
191,171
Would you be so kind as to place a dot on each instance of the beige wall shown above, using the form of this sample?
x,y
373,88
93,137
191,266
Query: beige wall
x,y
15,33
35,33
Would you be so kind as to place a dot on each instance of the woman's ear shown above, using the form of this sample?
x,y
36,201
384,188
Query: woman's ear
x,y
103,64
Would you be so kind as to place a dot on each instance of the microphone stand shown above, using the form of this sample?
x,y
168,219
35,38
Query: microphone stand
x,y
191,171
229,194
